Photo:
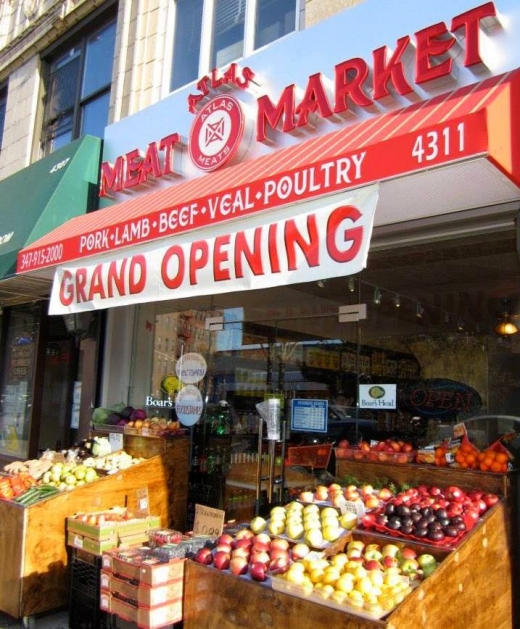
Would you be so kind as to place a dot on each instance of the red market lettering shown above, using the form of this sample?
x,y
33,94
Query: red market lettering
x,y
442,399
354,78
119,278
240,77
231,255
133,169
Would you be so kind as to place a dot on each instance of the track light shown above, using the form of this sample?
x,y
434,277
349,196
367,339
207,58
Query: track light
x,y
377,296
397,301
506,327
351,284
419,311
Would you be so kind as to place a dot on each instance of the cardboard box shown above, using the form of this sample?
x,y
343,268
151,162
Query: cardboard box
x,y
93,546
145,618
145,595
108,528
142,567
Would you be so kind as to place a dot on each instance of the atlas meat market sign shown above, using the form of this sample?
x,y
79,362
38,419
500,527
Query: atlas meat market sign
x,y
323,240
218,134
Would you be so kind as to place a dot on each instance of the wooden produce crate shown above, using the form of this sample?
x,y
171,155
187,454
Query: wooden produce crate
x,y
33,542
472,587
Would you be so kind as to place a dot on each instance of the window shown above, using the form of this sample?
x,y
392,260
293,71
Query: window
x,y
213,33
78,88
3,107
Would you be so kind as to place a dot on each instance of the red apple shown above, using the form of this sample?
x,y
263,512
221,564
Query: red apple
x,y
241,551
299,551
343,443
258,571
373,564
247,533
223,547
204,556
407,553
260,557
385,494
225,538
259,546
279,565
221,560
390,562
238,565
277,553
244,542
279,543
262,537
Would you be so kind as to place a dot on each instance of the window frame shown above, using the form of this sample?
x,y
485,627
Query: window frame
x,y
78,37
207,38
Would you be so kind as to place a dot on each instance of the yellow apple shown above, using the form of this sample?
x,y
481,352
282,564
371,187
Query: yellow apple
x,y
331,533
345,583
348,520
314,537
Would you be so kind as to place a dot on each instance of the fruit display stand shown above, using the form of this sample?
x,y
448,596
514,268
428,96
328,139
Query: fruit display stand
x,y
34,566
472,586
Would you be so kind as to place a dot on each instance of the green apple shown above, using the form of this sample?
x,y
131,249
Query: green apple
x,y
314,537
348,520
428,563
257,524
331,533
294,530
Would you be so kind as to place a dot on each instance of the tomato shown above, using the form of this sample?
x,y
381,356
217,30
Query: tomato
x,y
490,499
480,505
475,494
435,491
454,493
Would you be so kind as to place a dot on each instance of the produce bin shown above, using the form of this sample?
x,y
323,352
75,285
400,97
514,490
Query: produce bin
x,y
33,543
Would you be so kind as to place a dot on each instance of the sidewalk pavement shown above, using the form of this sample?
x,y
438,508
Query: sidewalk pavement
x,y
53,620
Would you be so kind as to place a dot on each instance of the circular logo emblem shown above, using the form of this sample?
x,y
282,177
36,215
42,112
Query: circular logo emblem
x,y
191,368
189,405
216,133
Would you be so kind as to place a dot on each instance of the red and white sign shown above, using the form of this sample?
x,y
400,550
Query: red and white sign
x,y
322,240
216,133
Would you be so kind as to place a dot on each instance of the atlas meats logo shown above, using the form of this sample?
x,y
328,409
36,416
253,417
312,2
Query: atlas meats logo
x,y
218,128
216,133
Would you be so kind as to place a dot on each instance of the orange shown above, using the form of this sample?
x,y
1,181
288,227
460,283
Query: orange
x,y
484,467
495,467
501,457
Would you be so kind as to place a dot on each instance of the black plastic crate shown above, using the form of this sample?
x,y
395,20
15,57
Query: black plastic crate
x,y
85,613
85,576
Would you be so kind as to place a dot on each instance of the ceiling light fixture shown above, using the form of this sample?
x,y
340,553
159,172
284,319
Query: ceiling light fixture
x,y
351,284
419,311
397,301
506,327
377,296
321,283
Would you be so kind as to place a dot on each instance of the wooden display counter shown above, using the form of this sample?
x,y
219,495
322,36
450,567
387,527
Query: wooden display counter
x,y
33,551
472,587
370,471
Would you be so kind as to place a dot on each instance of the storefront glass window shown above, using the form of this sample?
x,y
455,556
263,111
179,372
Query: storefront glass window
x,y
16,381
187,39
228,33
429,334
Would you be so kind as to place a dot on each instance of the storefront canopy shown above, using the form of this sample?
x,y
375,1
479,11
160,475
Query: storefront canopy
x,y
456,151
39,198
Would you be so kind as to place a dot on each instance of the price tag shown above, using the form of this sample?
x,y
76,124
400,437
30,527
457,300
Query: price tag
x,y
116,441
208,521
143,503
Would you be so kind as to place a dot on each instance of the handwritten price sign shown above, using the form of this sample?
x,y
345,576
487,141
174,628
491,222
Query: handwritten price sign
x,y
208,521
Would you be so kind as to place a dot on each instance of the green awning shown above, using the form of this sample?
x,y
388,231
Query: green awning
x,y
39,198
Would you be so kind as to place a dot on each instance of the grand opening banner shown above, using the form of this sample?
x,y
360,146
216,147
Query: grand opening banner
x,y
328,237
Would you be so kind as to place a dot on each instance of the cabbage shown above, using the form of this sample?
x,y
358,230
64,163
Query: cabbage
x,y
118,408
138,414
100,415
113,419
